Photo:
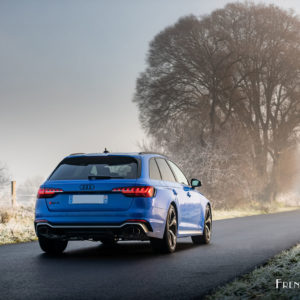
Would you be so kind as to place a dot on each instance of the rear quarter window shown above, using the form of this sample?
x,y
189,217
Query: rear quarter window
x,y
153,170
165,170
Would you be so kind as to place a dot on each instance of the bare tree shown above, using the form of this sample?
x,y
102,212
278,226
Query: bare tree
x,y
267,77
233,74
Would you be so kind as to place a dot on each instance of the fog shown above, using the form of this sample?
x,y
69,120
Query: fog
x,y
68,74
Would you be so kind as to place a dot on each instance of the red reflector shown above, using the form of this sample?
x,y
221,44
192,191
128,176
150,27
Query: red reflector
x,y
48,192
137,220
41,221
136,191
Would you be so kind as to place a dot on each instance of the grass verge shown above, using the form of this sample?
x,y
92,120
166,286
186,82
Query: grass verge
x,y
261,283
16,225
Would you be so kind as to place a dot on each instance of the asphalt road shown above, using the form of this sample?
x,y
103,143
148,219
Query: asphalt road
x,y
88,270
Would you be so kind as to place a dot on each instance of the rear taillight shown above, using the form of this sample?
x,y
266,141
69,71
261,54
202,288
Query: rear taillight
x,y
48,193
136,191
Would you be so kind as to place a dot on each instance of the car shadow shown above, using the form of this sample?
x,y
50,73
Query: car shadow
x,y
120,251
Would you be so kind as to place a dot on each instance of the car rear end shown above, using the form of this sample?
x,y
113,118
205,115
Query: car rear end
x,y
95,197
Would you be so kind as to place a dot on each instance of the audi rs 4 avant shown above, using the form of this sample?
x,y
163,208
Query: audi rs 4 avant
x,y
111,197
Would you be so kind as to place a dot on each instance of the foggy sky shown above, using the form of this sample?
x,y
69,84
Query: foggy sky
x,y
68,71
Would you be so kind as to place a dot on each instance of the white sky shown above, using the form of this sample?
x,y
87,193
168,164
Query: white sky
x,y
68,72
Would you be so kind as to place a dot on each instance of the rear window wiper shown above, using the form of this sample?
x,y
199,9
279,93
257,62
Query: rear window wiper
x,y
93,177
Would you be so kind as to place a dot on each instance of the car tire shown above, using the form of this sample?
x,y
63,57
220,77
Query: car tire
x,y
206,236
168,243
52,246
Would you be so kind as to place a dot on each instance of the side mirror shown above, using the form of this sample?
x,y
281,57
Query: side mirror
x,y
195,183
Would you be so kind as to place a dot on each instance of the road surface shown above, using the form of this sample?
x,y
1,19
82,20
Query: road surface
x,y
88,270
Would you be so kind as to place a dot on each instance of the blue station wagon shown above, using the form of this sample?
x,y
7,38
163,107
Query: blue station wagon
x,y
112,197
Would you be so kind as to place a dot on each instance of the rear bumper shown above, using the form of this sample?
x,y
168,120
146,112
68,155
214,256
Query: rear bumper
x,y
145,210
96,232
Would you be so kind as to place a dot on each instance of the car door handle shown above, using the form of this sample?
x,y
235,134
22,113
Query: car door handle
x,y
188,194
174,191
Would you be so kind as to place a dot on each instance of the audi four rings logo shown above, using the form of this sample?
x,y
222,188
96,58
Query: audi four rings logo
x,y
87,187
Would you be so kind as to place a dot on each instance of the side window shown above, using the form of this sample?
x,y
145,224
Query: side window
x,y
153,170
165,170
178,173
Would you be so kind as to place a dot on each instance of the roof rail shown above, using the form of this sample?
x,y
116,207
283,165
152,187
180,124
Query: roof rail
x,y
151,152
76,153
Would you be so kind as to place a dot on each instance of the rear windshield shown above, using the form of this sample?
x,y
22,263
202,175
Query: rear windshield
x,y
96,167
